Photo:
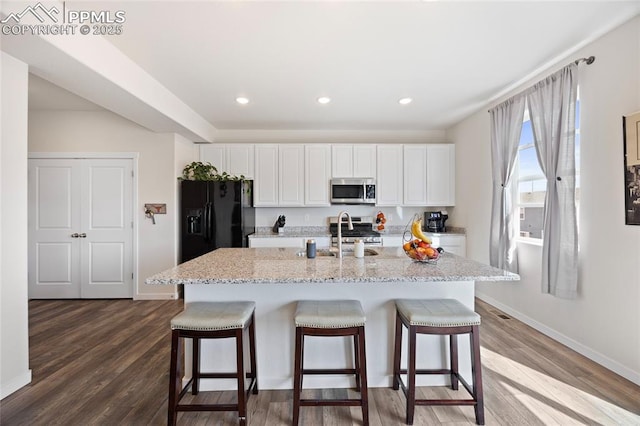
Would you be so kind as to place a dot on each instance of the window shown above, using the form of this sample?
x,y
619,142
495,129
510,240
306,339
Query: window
x,y
531,181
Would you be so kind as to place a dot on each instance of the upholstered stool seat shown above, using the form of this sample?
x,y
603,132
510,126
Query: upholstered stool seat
x,y
440,317
212,320
330,318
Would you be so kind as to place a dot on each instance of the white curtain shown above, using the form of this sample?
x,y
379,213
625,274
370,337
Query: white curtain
x,y
506,125
552,107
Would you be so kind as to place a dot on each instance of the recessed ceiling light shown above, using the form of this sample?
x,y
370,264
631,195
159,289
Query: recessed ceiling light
x,y
324,100
242,100
405,101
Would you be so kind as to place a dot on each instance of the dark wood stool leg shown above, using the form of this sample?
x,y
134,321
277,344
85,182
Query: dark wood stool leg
x,y
242,399
362,371
195,365
411,376
476,367
397,352
252,353
356,357
175,385
453,355
297,375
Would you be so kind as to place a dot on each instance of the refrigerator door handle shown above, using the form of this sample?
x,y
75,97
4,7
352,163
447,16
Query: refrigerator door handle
x,y
212,224
206,222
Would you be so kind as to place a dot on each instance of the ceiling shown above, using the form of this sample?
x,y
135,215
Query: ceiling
x,y
451,58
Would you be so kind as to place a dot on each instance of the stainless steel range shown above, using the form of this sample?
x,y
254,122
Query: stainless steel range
x,y
362,230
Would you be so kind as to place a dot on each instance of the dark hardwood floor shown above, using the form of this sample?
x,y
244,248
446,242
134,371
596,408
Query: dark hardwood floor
x,y
105,362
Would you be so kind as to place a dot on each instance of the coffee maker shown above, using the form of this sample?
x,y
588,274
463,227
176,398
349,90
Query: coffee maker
x,y
434,221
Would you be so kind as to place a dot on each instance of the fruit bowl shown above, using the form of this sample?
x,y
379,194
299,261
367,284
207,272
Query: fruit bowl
x,y
416,245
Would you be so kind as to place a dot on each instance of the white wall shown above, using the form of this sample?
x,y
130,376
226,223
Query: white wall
x,y
603,323
14,319
103,131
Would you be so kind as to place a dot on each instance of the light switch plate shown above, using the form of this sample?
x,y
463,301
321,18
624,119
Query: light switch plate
x,y
156,208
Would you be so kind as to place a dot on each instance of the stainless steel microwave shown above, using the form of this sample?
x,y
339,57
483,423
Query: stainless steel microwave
x,y
353,191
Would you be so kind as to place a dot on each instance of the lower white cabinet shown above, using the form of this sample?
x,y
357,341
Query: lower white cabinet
x,y
278,241
456,244
451,243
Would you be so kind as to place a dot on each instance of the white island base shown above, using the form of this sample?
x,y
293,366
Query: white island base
x,y
275,332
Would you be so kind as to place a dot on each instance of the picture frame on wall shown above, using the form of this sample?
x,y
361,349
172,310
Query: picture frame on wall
x,y
631,133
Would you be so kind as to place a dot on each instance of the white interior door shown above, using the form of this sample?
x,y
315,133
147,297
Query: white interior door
x,y
106,260
80,228
54,216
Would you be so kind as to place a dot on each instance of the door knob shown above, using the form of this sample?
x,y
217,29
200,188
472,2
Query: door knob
x,y
75,235
83,235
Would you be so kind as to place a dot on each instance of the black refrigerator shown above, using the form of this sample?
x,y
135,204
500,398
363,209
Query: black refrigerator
x,y
215,214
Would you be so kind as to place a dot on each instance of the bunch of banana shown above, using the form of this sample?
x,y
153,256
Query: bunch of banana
x,y
416,230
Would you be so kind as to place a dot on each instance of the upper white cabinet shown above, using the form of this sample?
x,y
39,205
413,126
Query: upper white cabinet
x,y
389,175
235,159
265,185
317,173
415,175
353,161
240,160
214,154
291,175
429,175
441,175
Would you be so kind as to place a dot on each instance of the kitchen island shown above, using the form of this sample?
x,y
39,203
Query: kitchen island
x,y
276,278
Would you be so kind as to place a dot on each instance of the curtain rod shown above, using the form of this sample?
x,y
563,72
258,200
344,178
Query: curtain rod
x,y
588,61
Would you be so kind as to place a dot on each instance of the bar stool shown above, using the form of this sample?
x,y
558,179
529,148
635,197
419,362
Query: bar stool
x,y
443,317
212,320
330,318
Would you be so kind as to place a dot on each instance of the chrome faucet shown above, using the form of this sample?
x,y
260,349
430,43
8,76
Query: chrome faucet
x,y
342,213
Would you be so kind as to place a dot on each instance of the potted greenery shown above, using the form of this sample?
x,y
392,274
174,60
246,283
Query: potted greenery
x,y
206,171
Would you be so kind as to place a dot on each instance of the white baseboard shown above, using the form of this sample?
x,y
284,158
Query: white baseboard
x,y
593,355
156,296
14,384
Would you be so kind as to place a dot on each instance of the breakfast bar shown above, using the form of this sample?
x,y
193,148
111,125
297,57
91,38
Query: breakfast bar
x,y
276,278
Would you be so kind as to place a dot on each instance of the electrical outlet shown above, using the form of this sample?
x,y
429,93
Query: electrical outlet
x,y
306,218
390,217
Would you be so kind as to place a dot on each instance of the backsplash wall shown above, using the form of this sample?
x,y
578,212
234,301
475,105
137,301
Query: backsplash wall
x,y
318,216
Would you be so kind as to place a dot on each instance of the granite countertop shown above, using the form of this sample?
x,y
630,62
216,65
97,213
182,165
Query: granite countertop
x,y
284,265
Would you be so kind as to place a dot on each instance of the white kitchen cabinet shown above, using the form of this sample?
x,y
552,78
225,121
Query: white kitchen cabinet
x,y
278,241
317,173
429,175
415,175
456,244
389,175
265,185
214,154
291,175
441,184
240,160
235,159
392,240
451,243
353,161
